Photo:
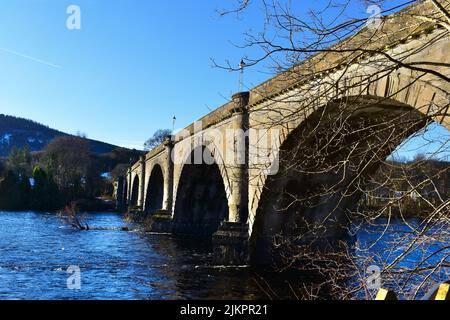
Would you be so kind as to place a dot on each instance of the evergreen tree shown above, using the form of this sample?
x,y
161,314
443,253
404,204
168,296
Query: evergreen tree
x,y
10,196
45,193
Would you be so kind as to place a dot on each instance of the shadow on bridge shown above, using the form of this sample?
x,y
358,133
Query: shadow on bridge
x,y
201,202
323,165
134,192
155,191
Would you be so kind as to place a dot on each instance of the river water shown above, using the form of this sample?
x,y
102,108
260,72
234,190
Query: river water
x,y
36,250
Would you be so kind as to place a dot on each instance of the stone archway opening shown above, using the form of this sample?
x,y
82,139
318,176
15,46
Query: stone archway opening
x,y
201,202
135,192
323,165
155,191
414,179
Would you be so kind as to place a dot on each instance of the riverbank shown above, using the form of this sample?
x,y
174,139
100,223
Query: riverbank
x,y
81,205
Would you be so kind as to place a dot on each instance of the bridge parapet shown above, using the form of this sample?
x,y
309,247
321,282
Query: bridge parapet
x,y
397,29
155,152
216,116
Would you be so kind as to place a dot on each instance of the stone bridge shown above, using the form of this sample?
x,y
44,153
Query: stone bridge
x,y
227,196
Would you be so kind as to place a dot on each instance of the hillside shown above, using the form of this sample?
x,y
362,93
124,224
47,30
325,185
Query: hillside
x,y
20,132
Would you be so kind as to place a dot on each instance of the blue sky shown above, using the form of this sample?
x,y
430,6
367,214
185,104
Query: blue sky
x,y
131,67
128,71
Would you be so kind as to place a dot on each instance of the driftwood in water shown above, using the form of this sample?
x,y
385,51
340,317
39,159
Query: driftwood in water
x,y
71,216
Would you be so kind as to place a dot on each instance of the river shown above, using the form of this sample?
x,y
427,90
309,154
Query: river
x,y
38,248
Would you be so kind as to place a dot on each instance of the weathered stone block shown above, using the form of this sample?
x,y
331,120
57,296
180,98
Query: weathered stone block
x,y
162,222
230,244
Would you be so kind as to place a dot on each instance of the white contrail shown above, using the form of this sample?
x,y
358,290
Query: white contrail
x,y
31,58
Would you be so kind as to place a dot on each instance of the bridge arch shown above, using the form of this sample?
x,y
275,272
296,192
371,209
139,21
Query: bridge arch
x,y
155,190
354,134
201,199
134,191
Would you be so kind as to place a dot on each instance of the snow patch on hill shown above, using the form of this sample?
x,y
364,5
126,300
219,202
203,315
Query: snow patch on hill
x,y
6,139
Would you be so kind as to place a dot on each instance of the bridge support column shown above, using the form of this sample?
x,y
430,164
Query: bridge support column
x,y
168,177
230,242
141,197
162,219
129,188
120,193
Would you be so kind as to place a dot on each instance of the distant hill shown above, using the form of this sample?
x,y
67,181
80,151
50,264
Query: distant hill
x,y
20,132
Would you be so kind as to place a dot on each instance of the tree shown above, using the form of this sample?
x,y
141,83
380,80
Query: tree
x,y
68,158
65,171
19,160
339,154
45,191
15,187
157,138
119,170
10,196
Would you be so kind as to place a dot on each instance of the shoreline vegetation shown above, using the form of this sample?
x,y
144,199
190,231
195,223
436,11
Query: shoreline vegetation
x,y
65,172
